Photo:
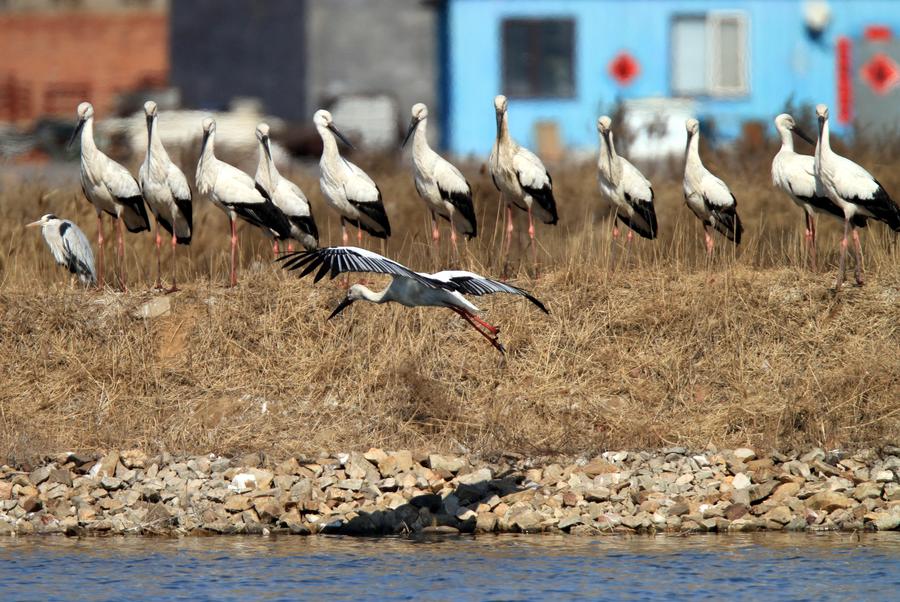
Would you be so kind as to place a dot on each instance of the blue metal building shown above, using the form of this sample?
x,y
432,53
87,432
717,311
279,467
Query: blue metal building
x,y
565,62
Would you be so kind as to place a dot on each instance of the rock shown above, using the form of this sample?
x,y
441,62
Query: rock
x,y
784,491
735,511
883,476
375,455
154,308
111,483
6,490
441,463
884,521
440,530
133,458
744,454
157,516
570,521
570,498
106,466
485,522
867,490
829,501
61,476
350,484
237,503
597,494
396,463
431,501
524,518
762,491
39,475
598,466
482,475
741,481
243,481
267,508
780,514
31,503
678,509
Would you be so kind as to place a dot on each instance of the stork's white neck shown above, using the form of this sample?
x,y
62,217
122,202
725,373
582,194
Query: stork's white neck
x,y
608,157
692,152
206,177
266,172
88,146
420,137
375,297
503,127
156,152
824,142
787,139
329,144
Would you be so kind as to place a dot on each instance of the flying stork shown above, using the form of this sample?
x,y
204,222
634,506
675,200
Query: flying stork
x,y
286,195
521,178
347,188
855,191
626,188
166,191
110,188
235,193
409,288
708,196
441,185
795,174
69,246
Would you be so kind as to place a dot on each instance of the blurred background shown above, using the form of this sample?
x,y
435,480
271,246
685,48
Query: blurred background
x,y
733,63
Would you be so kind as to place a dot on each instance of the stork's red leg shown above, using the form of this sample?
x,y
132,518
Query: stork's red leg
x,y
174,267
234,240
857,247
533,241
100,250
492,339
158,241
812,243
121,252
841,264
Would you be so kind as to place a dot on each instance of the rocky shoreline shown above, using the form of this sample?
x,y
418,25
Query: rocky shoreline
x,y
381,493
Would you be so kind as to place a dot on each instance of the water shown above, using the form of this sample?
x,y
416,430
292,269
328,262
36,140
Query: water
x,y
757,567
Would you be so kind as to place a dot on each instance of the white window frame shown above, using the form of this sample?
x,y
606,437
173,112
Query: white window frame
x,y
714,21
713,67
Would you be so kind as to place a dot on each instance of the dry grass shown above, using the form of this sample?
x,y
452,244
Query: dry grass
x,y
751,350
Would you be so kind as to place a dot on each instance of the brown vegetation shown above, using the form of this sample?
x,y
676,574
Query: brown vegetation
x,y
752,350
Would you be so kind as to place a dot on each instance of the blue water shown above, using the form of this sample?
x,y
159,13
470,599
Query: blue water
x,y
736,567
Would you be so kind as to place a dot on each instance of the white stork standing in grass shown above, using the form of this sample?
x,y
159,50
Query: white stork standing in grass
x,y
167,193
69,246
626,188
855,191
347,188
708,196
443,187
409,288
795,174
235,193
110,188
286,195
521,178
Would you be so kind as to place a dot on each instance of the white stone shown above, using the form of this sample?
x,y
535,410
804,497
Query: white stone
x,y
741,481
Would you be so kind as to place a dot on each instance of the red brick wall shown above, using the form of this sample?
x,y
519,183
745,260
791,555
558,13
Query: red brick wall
x,y
51,62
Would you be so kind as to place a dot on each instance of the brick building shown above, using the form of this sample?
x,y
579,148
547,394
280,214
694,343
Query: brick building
x,y
56,53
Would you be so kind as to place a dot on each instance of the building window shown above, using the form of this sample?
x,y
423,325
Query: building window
x,y
709,55
539,58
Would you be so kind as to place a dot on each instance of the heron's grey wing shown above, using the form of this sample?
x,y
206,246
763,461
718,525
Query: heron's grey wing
x,y
338,260
79,257
470,283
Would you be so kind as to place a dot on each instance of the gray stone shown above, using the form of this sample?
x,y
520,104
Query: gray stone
x,y
481,475
39,475
443,463
744,454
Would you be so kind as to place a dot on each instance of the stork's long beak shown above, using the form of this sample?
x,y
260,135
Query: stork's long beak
x,y
344,304
149,135
412,128
803,135
265,143
340,136
499,118
205,139
33,224
75,133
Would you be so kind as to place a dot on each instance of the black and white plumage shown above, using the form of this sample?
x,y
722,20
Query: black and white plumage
x,y
286,195
166,191
854,190
795,174
110,188
347,188
625,187
69,246
521,178
442,186
409,288
235,193
708,196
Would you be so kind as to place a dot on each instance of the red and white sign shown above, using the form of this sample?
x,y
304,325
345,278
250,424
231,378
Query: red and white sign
x,y
624,68
881,73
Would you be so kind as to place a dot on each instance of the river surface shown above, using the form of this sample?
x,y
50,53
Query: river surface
x,y
737,567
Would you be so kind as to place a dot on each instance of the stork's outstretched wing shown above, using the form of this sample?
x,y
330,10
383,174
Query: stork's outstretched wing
x,y
470,283
338,260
